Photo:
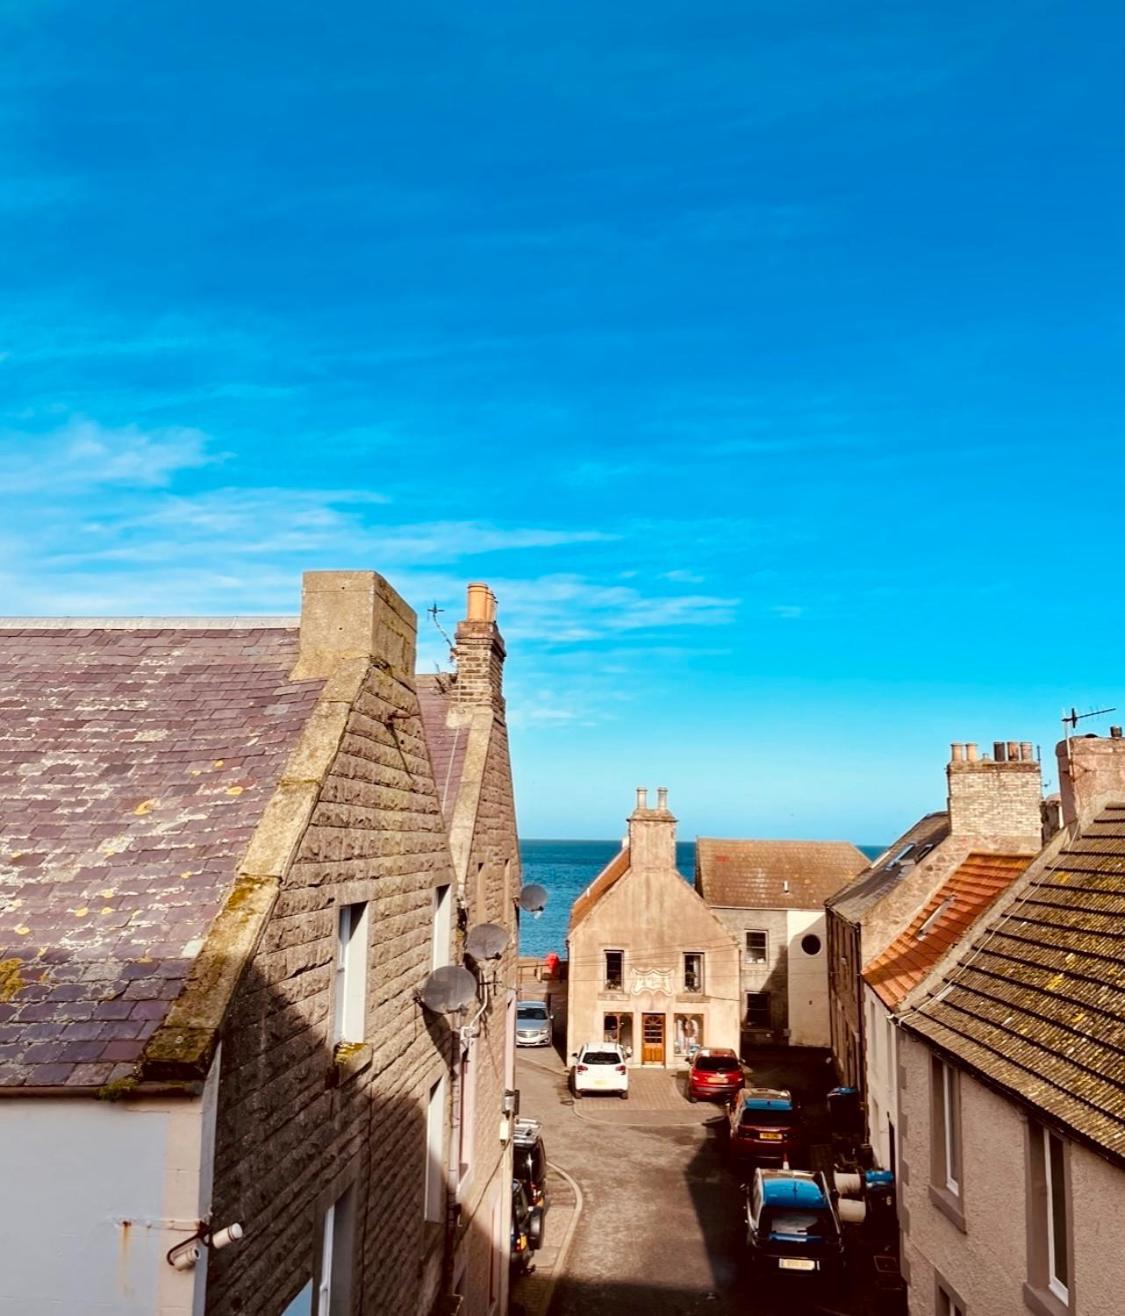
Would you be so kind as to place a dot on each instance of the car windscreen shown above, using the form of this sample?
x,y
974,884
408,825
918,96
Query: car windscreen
x,y
792,1225
532,1013
767,1119
601,1058
715,1064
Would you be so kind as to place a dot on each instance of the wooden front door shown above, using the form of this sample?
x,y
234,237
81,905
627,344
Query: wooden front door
x,y
652,1039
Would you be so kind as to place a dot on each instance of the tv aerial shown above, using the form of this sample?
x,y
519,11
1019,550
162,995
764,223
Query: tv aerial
x,y
1072,719
448,990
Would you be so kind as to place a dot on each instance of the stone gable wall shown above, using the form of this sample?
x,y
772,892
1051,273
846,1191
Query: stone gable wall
x,y
287,1142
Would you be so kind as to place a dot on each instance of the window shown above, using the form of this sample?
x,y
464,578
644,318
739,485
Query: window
x,y
810,943
615,970
757,947
435,1166
947,1304
693,971
946,1114
351,974
334,1293
442,925
757,1009
466,1110
302,1303
1049,1241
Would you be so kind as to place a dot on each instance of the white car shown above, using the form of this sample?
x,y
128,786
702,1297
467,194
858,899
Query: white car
x,y
600,1067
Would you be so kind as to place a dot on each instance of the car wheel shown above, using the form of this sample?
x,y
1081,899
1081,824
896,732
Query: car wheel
x,y
691,1096
577,1095
625,1095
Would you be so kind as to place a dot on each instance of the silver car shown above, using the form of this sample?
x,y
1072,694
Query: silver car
x,y
534,1024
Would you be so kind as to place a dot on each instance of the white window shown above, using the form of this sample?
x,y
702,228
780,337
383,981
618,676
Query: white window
x,y
946,1114
351,974
693,971
435,1147
334,1292
442,925
302,1303
757,947
1058,1251
947,1304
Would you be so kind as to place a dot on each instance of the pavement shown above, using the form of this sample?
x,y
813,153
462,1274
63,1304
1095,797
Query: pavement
x,y
648,1218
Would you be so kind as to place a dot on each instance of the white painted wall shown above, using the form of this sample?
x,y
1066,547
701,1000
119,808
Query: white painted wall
x,y
92,1189
808,979
882,1086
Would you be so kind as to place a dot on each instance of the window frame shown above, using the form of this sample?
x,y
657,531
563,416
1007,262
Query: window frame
x,y
466,1111
947,1147
1048,1190
947,1301
335,1270
442,926
699,989
761,996
349,1007
765,936
433,1197
606,981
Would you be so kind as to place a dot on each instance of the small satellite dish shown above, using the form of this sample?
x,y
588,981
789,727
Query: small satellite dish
x,y
533,899
448,989
486,941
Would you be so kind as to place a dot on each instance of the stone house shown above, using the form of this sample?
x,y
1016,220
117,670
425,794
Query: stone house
x,y
942,922
649,965
992,807
1011,1075
227,864
771,895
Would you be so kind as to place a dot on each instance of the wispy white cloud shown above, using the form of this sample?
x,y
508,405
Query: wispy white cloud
x,y
83,455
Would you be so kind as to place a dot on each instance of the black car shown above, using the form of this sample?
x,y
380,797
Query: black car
x,y
526,1230
529,1164
792,1229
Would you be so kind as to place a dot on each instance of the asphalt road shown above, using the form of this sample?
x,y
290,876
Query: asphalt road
x,y
661,1233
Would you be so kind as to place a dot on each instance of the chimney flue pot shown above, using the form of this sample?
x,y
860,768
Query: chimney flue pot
x,y
1013,751
1115,733
662,798
1027,751
642,797
478,606
1000,751
971,753
956,752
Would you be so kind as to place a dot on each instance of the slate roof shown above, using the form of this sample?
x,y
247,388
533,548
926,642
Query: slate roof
x,y
941,923
610,875
1035,1001
893,864
446,743
773,874
134,767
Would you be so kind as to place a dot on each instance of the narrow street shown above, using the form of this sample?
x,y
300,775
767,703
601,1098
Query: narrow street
x,y
660,1232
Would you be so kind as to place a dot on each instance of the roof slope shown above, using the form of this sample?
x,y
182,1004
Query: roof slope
x,y
941,923
610,875
446,743
1035,1002
134,766
773,874
885,873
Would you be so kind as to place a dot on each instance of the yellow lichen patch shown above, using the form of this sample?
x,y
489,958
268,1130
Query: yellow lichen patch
x,y
80,912
16,854
22,930
145,806
234,790
10,979
106,892
1053,981
197,772
107,909
218,763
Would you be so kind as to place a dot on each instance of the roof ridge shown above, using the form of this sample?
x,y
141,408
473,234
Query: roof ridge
x,y
240,622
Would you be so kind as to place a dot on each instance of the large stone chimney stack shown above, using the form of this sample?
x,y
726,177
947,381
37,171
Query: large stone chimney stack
x,y
353,615
996,798
652,832
479,652
1091,775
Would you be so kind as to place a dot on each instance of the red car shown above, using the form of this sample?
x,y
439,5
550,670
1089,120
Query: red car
x,y
765,1127
715,1075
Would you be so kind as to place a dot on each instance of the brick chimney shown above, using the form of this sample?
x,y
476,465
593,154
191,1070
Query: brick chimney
x,y
479,652
995,798
353,614
652,832
1091,775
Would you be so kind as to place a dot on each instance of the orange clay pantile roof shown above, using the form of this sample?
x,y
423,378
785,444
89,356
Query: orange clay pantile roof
x,y
610,875
941,923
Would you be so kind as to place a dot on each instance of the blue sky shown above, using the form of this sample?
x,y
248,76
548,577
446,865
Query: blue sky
x,y
765,359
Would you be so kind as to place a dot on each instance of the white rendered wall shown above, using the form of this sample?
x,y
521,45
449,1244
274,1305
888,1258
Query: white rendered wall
x,y
808,979
91,1191
882,1083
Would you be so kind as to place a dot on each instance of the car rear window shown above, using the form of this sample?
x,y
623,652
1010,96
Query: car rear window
x,y
601,1058
767,1119
715,1064
797,1226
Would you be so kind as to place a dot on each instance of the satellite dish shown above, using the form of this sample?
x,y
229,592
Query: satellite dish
x,y
448,989
486,941
533,899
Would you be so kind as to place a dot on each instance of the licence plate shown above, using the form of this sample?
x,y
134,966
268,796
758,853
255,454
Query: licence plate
x,y
771,1137
796,1263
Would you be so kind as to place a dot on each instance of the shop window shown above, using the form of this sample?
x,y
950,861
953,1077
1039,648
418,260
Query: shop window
x,y
688,1035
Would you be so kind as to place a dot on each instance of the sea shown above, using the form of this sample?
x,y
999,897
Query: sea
x,y
566,868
